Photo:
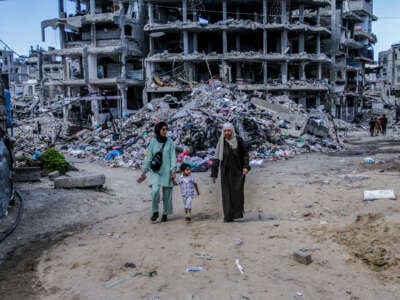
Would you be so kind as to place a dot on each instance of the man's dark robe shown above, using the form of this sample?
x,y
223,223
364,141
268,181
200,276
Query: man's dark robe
x,y
232,179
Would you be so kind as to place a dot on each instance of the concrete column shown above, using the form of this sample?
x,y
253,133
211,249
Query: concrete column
x,y
283,12
224,42
184,10
185,40
301,42
123,89
149,80
224,10
93,38
185,33
284,40
151,46
150,13
318,100
224,33
319,71
195,36
191,72
335,38
60,7
94,103
66,93
303,71
284,70
265,42
62,27
85,64
303,100
92,7
318,17
67,73
301,13
318,50
301,36
238,66
237,42
185,43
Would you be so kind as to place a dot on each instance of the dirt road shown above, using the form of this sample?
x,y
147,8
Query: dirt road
x,y
74,244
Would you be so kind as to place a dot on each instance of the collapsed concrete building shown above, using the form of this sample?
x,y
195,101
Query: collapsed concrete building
x,y
120,54
102,53
276,46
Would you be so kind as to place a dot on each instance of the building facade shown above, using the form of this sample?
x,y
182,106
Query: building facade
x,y
120,54
102,54
277,46
355,51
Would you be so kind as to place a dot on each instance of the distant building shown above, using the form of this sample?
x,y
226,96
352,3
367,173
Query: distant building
x,y
355,51
389,63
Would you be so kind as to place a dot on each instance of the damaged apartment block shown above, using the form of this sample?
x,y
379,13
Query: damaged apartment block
x,y
102,54
314,51
353,41
277,46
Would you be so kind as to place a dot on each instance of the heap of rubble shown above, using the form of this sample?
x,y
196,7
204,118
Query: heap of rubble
x,y
273,126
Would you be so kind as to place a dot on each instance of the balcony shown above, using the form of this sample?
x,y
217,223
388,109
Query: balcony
x,y
361,6
360,35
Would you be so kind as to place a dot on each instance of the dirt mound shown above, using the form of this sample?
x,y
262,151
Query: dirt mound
x,y
372,239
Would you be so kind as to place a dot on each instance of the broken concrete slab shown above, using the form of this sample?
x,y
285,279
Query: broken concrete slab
x,y
80,181
379,194
302,257
54,175
26,174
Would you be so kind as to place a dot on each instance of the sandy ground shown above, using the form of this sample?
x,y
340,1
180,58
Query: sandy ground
x,y
74,244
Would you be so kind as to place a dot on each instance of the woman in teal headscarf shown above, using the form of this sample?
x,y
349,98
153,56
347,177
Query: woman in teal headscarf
x,y
163,178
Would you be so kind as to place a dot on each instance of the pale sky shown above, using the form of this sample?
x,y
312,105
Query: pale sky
x,y
20,23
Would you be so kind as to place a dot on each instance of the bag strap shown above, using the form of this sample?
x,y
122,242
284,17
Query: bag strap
x,y
162,148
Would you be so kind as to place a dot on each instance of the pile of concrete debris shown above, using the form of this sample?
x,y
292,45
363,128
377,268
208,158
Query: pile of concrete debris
x,y
274,127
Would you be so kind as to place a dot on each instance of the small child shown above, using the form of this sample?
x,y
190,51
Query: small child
x,y
188,185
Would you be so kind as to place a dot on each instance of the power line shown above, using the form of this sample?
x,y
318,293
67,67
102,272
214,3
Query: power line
x,y
388,17
11,49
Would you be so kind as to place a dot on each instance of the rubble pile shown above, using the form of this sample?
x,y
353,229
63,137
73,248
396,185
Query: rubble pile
x,y
30,143
273,126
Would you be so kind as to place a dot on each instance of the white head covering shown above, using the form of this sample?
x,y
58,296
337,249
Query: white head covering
x,y
219,151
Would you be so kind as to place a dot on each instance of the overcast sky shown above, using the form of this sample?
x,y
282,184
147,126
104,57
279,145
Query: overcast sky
x,y
20,23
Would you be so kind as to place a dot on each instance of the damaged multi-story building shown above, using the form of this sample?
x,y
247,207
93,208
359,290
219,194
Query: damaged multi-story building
x,y
353,42
276,46
13,71
24,78
389,63
102,54
119,55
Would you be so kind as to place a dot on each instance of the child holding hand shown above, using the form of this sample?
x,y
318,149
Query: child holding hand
x,y
188,186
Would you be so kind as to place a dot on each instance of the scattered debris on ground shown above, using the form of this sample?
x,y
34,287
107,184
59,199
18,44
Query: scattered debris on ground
x,y
372,239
